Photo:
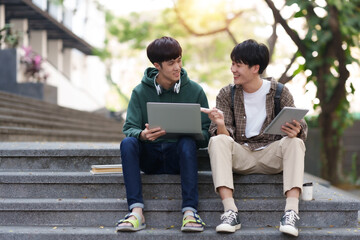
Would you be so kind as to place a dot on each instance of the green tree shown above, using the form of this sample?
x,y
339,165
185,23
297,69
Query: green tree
x,y
332,29
130,30
204,57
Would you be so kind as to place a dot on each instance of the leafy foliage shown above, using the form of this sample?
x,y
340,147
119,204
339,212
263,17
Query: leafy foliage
x,y
206,57
8,37
318,38
332,29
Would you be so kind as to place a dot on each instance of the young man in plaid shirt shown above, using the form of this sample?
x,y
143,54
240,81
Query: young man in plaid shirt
x,y
238,143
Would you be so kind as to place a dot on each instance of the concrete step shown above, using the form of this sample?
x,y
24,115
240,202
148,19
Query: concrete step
x,y
52,156
29,104
61,192
73,156
57,111
68,155
164,213
9,121
21,184
26,119
31,134
108,233
54,117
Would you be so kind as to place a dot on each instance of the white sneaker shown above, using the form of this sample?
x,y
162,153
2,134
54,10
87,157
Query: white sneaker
x,y
230,222
288,223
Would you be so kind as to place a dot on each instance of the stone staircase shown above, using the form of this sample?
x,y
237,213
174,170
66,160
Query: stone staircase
x,y
47,192
28,119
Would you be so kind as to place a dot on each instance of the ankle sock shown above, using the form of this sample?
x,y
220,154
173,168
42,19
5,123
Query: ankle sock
x,y
292,204
229,204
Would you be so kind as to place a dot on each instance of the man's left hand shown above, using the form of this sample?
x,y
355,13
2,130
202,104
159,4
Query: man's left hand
x,y
291,129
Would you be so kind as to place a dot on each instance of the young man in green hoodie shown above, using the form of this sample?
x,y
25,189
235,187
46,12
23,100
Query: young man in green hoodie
x,y
144,150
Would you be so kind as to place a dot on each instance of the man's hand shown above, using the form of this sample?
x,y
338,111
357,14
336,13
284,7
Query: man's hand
x,y
151,134
291,129
215,115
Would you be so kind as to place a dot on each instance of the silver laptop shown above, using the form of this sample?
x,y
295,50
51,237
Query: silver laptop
x,y
177,119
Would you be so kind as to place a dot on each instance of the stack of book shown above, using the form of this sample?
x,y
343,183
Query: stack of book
x,y
106,169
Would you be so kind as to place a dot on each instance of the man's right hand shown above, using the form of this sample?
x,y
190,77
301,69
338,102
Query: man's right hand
x,y
215,115
151,134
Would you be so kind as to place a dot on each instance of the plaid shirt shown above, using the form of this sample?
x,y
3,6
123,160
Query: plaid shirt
x,y
235,122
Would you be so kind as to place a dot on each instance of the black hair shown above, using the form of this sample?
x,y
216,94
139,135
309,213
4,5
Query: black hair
x,y
251,53
163,49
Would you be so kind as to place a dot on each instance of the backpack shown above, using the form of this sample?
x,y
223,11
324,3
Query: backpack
x,y
279,88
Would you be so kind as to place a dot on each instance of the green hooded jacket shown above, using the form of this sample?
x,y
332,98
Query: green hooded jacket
x,y
190,92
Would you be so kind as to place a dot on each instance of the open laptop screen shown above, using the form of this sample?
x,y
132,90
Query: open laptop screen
x,y
177,119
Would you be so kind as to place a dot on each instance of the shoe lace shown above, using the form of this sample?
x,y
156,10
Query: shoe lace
x,y
228,217
291,217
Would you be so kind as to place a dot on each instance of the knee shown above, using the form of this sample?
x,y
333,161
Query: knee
x,y
187,143
221,139
295,142
128,143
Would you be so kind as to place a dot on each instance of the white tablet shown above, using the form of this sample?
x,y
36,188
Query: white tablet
x,y
287,114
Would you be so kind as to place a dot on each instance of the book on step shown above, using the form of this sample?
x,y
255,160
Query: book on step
x,y
104,169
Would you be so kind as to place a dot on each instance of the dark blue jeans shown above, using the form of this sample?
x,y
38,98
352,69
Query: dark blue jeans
x,y
160,158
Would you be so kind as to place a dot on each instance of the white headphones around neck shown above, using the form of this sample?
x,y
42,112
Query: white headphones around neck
x,y
159,88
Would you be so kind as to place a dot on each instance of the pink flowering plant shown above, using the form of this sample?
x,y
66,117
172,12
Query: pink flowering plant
x,y
33,66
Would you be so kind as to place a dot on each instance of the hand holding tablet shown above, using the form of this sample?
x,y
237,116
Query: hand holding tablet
x,y
286,115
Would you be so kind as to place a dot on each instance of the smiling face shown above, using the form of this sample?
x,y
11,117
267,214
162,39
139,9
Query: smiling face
x,y
165,53
169,72
243,73
249,60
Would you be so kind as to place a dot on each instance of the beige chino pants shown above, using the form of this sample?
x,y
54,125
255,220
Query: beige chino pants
x,y
228,157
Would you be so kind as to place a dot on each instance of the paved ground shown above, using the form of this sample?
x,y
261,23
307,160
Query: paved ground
x,y
351,193
356,193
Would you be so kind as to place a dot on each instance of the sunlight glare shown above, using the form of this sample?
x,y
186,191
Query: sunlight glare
x,y
350,97
314,38
209,6
334,72
320,12
321,3
300,60
316,101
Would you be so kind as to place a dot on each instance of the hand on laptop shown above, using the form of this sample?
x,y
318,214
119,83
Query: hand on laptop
x,y
151,134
